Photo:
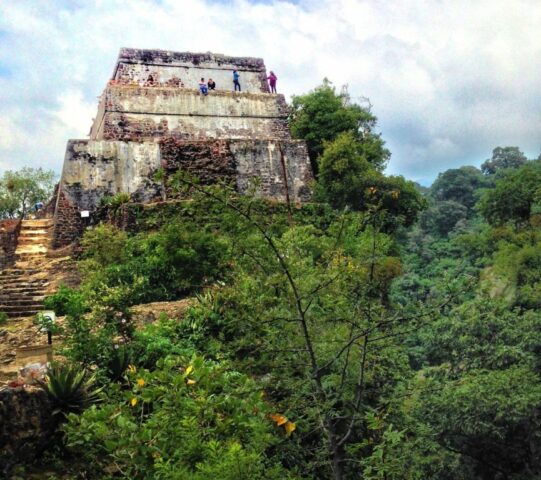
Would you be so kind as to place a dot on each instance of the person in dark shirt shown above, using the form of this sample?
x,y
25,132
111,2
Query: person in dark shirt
x,y
211,84
236,79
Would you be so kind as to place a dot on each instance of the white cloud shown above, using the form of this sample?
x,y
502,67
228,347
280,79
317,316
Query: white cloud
x,y
449,79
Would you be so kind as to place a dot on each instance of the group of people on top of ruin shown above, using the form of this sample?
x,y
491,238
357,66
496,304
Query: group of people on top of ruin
x,y
206,87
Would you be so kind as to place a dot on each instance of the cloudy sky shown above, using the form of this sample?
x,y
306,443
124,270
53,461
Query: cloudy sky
x,y
448,79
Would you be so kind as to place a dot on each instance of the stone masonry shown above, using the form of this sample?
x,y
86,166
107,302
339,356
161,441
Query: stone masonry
x,y
151,116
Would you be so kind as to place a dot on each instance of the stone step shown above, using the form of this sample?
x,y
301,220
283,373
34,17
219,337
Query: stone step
x,y
22,279
36,296
16,276
22,276
22,302
22,288
30,304
34,290
37,222
18,286
21,308
26,241
18,271
21,313
9,309
31,249
36,227
25,245
30,254
32,238
30,298
33,233
27,257
8,296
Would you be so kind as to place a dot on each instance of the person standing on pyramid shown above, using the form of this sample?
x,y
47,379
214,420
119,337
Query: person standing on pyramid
x,y
236,77
272,81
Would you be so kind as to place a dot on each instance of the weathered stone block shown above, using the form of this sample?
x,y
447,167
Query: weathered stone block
x,y
26,425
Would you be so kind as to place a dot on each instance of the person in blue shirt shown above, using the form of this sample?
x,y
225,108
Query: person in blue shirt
x,y
236,79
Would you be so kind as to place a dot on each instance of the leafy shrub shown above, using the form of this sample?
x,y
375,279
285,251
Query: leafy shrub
x,y
175,261
104,244
66,301
158,340
347,178
3,318
190,418
91,338
115,202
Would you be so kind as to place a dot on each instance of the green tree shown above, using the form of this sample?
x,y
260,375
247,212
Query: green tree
x,y
308,311
515,197
348,178
459,185
442,217
322,114
502,158
21,189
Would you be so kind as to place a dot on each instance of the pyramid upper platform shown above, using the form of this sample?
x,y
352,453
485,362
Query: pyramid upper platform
x,y
154,94
155,68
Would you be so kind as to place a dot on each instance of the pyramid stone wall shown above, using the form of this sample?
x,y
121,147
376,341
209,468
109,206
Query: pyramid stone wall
x,y
151,116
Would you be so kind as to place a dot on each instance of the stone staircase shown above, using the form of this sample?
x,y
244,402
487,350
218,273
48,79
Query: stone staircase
x,y
23,287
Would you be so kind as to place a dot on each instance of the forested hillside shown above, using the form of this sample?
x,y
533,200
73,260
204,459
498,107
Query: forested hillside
x,y
383,331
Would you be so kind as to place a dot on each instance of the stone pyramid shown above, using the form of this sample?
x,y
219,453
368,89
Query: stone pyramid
x,y
152,116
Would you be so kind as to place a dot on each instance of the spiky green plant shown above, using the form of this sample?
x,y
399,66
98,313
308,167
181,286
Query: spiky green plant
x,y
70,388
118,363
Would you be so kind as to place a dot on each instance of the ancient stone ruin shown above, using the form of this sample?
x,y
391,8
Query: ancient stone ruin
x,y
151,116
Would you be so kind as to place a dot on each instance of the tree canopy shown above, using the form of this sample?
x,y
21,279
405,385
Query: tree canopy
x,y
348,179
502,158
323,114
21,189
459,185
516,195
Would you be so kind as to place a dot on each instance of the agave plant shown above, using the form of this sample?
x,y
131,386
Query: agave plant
x,y
118,363
70,388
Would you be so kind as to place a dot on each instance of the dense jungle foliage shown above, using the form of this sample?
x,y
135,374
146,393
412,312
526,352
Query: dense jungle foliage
x,y
382,332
